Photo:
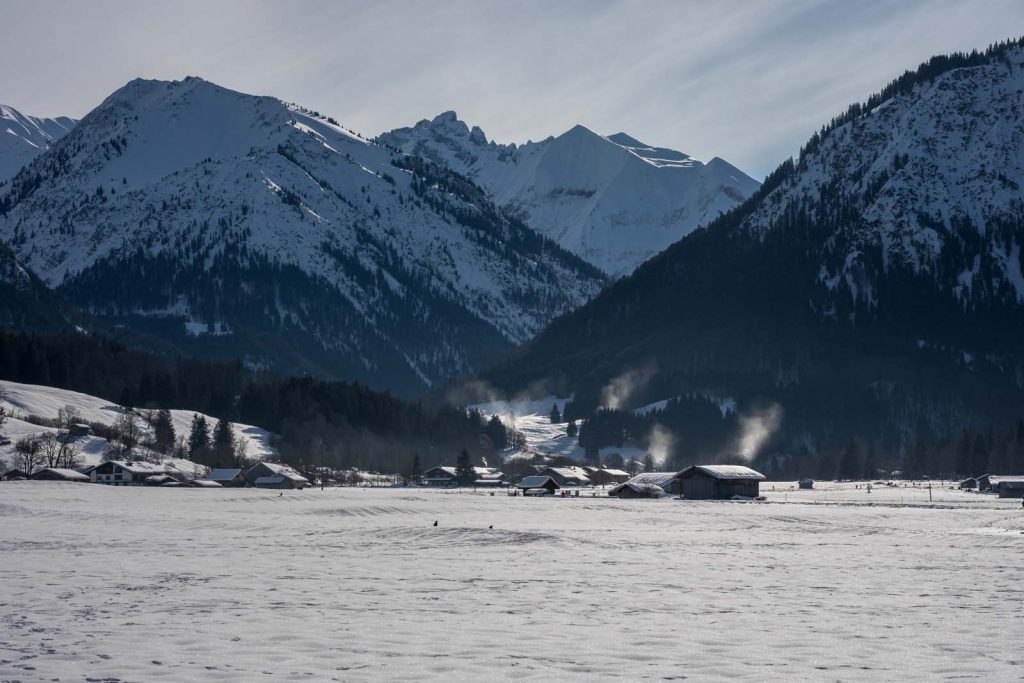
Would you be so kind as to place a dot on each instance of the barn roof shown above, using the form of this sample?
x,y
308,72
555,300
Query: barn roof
x,y
994,479
442,469
659,479
723,472
224,474
140,467
205,483
70,475
535,481
614,472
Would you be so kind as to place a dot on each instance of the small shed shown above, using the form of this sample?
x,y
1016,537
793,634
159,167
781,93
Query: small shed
x,y
806,483
79,430
14,475
969,483
158,480
60,474
538,481
718,482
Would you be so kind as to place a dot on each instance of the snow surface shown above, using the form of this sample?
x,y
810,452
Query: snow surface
x,y
357,584
23,400
613,201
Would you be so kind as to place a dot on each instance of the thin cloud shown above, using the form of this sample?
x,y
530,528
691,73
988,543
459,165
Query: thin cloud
x,y
745,81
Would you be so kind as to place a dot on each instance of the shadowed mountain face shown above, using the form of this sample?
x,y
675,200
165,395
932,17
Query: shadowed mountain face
x,y
871,287
229,224
23,138
613,200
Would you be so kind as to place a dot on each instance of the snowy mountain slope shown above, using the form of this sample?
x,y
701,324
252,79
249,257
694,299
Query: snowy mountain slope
x,y
242,225
613,200
27,400
871,287
23,138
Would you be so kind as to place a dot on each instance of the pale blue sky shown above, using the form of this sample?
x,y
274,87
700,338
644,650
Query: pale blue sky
x,y
745,80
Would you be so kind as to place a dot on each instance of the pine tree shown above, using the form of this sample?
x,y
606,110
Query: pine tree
x,y
497,433
648,463
163,431
464,471
199,436
416,471
850,465
556,416
571,429
870,464
223,442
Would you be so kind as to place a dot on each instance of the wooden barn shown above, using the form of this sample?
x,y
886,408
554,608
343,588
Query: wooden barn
x,y
538,481
270,475
717,482
604,476
1010,487
60,474
441,475
567,476
227,476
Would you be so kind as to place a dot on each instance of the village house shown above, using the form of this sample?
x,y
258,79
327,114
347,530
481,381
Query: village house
x,y
645,485
567,476
489,476
269,475
124,472
537,482
227,476
441,475
717,482
60,474
605,476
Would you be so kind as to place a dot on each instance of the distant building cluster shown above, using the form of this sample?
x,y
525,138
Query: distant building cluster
x,y
144,473
1003,485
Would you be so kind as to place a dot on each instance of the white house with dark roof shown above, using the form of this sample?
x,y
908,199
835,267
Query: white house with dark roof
x,y
125,472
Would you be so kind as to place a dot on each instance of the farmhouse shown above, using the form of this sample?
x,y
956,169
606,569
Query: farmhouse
x,y
538,481
646,485
440,475
269,475
228,477
60,474
124,472
488,476
717,482
567,476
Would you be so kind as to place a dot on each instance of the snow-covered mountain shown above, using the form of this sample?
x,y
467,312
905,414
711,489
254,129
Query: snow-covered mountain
x,y
242,225
872,286
612,200
23,138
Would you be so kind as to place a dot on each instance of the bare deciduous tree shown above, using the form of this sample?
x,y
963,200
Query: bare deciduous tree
x,y
27,453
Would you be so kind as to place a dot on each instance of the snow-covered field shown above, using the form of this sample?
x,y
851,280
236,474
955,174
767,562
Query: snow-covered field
x,y
103,583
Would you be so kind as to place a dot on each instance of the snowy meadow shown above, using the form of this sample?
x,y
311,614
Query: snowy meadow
x,y
105,583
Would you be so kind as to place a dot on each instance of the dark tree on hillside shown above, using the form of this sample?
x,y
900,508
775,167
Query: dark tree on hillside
x,y
648,463
556,416
199,436
870,464
850,465
223,442
571,430
497,433
464,471
416,469
163,432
